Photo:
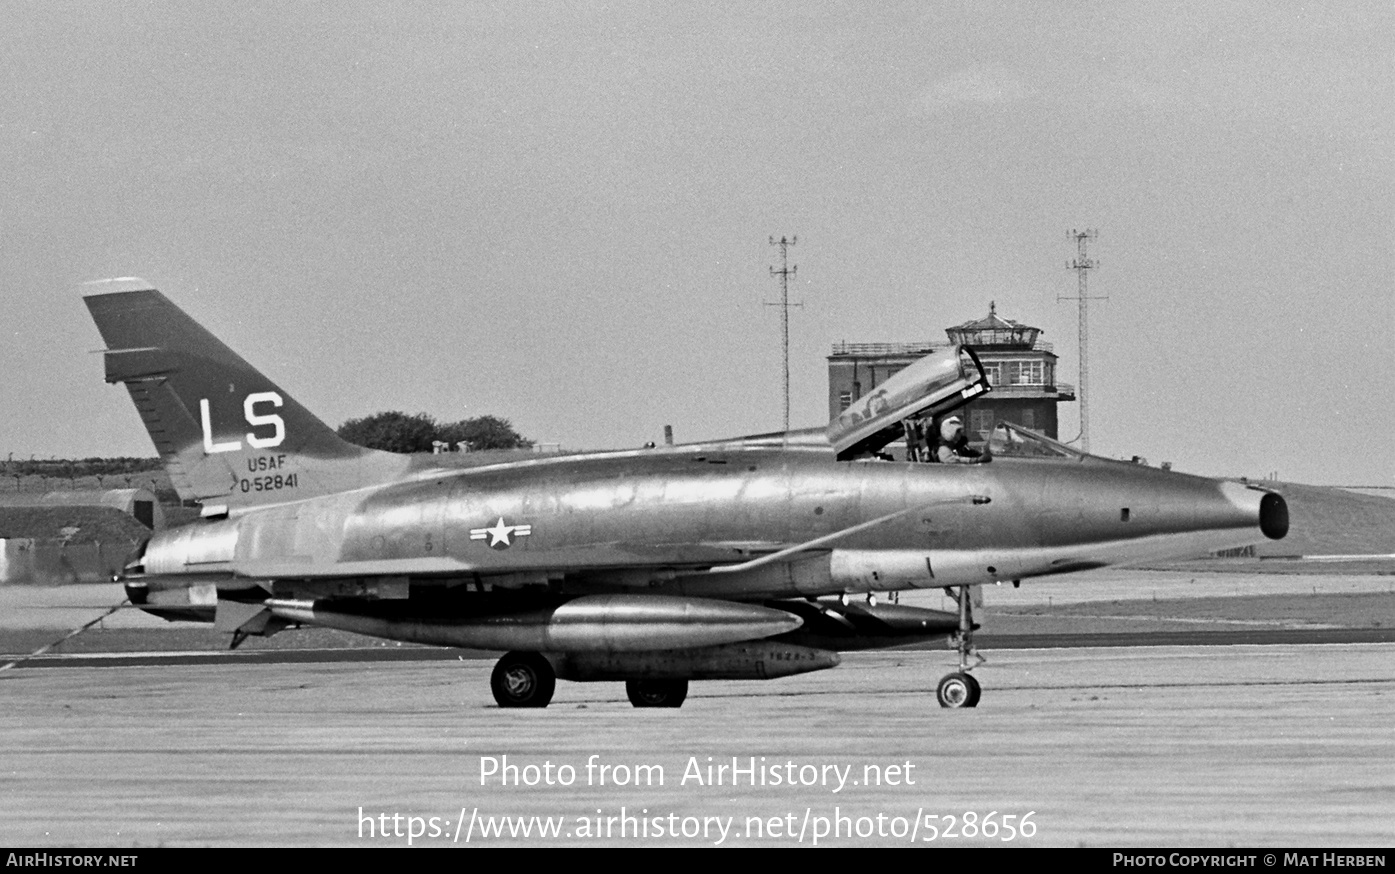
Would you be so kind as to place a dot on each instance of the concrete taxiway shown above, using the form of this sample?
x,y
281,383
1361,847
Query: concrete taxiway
x,y
64,607
1151,746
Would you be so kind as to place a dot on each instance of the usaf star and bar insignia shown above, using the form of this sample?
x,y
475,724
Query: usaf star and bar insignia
x,y
500,535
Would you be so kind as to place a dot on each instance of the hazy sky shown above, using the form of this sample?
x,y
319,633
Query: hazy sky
x,y
559,213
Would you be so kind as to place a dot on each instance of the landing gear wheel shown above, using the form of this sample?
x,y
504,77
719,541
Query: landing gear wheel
x,y
523,679
958,690
657,693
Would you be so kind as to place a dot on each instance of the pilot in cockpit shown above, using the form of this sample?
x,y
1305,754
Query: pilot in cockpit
x,y
953,444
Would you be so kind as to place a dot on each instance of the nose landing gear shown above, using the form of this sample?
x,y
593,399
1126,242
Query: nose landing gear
x,y
960,689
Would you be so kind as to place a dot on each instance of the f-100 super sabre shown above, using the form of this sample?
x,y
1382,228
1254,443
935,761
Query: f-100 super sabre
x,y
751,558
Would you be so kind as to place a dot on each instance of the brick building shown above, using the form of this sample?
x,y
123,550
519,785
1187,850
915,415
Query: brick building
x,y
1020,366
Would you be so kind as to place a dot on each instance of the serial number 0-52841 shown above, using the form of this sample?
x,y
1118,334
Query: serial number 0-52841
x,y
268,483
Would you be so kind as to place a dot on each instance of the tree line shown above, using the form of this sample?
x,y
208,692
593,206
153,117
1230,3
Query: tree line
x,y
399,432
390,431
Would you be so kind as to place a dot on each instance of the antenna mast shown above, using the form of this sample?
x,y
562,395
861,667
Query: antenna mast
x,y
785,272
1082,265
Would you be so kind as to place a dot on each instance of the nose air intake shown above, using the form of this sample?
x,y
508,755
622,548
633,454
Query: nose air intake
x,y
1273,516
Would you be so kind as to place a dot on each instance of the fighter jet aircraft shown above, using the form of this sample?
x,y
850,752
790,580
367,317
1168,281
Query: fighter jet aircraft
x,y
751,558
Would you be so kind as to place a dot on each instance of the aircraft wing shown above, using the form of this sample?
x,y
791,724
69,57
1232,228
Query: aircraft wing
x,y
593,557
936,384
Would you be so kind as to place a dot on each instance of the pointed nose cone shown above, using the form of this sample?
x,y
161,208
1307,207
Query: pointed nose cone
x,y
1268,510
1273,516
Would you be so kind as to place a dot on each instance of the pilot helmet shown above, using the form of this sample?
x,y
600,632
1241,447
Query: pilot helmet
x,y
951,428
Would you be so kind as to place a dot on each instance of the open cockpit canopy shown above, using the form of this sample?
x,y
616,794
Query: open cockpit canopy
x,y
932,386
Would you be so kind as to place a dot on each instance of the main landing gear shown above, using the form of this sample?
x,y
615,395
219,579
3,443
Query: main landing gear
x,y
960,689
527,679
656,693
523,679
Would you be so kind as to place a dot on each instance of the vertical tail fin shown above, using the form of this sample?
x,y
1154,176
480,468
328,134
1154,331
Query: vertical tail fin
x,y
229,437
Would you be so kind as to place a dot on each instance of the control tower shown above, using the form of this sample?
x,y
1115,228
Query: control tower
x,y
1021,367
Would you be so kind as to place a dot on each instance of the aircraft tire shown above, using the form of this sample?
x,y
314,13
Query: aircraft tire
x,y
523,679
657,693
958,690
977,690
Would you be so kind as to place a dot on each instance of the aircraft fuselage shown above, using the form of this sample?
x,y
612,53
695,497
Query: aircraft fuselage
x,y
659,520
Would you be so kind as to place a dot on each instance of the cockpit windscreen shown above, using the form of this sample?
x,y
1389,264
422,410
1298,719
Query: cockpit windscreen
x,y
1013,441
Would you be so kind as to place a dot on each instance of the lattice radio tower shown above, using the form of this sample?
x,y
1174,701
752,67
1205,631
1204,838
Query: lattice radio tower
x,y
785,272
1082,265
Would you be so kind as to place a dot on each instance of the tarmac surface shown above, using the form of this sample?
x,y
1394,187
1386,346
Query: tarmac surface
x,y
1280,745
1119,709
